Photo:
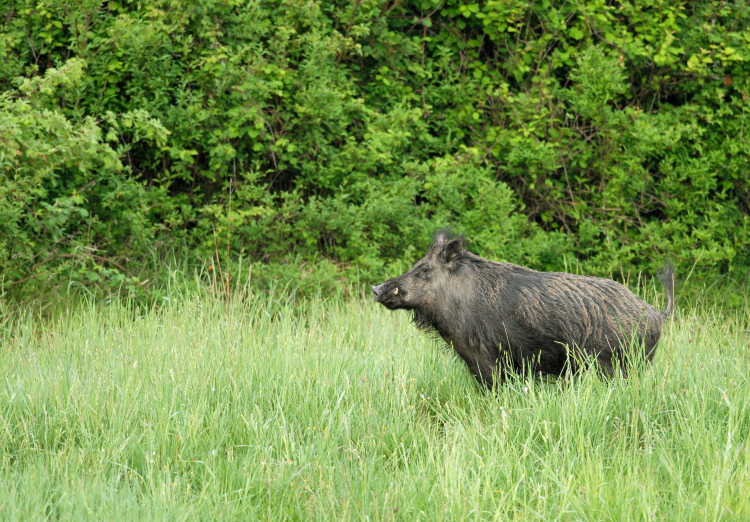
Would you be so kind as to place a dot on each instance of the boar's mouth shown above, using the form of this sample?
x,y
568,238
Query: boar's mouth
x,y
388,294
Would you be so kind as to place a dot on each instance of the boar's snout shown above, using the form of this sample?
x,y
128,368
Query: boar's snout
x,y
388,294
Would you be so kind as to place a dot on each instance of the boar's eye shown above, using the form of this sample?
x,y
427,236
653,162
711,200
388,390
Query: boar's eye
x,y
424,271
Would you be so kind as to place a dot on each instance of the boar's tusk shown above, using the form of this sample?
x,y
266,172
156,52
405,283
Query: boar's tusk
x,y
395,292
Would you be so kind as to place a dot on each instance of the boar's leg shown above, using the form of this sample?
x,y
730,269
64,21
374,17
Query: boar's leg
x,y
604,364
481,365
481,372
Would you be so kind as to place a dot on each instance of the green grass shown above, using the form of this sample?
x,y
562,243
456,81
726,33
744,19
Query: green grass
x,y
338,409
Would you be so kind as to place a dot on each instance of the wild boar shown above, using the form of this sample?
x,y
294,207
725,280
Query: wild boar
x,y
502,317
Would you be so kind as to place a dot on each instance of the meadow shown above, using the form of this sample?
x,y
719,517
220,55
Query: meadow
x,y
336,409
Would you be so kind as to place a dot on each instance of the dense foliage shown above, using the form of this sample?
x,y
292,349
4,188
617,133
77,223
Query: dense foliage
x,y
334,137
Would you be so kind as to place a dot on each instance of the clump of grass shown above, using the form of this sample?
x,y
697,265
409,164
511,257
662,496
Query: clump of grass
x,y
336,409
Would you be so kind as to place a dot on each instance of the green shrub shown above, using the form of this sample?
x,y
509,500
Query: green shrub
x,y
329,140
67,201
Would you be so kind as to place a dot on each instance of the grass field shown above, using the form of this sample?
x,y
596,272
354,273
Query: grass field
x,y
338,409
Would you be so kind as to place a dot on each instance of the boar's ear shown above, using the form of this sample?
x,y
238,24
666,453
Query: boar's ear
x,y
442,236
452,250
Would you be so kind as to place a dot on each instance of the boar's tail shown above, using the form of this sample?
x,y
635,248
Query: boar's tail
x,y
667,279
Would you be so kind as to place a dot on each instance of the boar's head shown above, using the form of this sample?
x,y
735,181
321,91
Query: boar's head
x,y
423,286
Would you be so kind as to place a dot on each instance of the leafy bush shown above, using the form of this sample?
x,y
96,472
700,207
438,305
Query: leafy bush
x,y
328,140
67,201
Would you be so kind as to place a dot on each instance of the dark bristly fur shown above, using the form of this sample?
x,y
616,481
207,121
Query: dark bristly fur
x,y
500,317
